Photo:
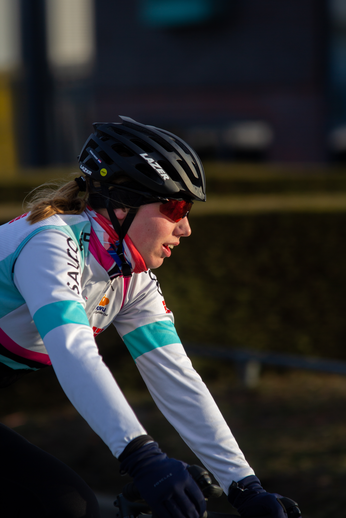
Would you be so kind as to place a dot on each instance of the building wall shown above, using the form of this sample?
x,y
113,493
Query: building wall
x,y
260,61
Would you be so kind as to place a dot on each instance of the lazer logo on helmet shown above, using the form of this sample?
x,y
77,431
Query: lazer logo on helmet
x,y
84,169
155,166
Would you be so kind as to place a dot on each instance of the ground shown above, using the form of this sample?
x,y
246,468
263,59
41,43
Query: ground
x,y
291,428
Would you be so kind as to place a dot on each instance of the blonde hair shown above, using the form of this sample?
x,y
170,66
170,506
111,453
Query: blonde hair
x,y
53,198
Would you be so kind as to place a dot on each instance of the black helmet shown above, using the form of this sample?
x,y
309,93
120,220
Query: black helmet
x,y
161,164
149,163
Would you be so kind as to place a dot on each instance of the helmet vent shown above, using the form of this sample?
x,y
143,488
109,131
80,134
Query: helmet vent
x,y
92,144
147,148
119,131
105,138
170,170
122,150
106,158
91,165
183,147
149,172
162,143
188,171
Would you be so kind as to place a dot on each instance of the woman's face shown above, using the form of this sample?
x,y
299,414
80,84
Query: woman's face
x,y
152,233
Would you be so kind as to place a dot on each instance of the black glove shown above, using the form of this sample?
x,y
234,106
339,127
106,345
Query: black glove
x,y
164,483
250,499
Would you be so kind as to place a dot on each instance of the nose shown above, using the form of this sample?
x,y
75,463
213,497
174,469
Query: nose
x,y
183,228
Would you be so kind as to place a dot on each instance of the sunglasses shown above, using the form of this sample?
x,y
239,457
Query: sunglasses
x,y
175,210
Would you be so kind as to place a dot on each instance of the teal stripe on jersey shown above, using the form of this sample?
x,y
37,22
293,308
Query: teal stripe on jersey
x,y
149,337
10,298
58,314
15,365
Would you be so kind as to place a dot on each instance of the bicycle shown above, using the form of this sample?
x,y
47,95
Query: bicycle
x,y
129,503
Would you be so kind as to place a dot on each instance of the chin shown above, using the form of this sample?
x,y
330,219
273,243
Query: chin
x,y
154,264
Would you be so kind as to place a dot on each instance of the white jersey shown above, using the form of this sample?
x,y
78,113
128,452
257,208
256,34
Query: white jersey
x,y
56,294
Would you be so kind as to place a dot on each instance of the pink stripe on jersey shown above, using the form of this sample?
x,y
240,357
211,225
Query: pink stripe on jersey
x,y
139,264
98,251
126,287
107,237
14,348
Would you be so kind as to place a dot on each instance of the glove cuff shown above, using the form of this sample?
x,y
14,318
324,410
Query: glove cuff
x,y
134,445
141,458
243,488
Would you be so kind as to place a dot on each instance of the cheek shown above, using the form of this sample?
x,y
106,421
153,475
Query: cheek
x,y
142,237
149,233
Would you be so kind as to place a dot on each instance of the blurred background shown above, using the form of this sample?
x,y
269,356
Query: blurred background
x,y
258,88
240,79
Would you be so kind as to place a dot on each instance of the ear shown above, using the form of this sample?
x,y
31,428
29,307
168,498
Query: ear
x,y
121,214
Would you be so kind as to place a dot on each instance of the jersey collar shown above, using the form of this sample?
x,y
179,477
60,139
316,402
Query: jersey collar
x,y
103,243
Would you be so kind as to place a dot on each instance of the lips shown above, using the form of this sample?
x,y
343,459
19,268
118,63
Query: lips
x,y
168,249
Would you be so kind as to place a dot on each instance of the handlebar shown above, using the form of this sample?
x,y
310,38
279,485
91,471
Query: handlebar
x,y
131,505
127,509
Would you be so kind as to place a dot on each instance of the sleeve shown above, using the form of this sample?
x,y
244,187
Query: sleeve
x,y
148,331
47,274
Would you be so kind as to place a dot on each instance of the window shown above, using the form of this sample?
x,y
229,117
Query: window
x,y
71,32
178,13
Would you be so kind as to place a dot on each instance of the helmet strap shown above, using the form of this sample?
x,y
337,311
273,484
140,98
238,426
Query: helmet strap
x,y
121,230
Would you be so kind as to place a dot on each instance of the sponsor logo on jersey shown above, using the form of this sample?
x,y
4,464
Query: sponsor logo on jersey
x,y
102,306
155,166
73,262
154,278
166,308
97,330
19,217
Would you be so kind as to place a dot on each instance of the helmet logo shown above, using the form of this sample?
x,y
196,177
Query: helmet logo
x,y
84,169
155,166
103,172
95,156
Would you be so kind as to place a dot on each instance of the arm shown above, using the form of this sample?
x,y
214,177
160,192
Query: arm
x,y
58,312
186,402
149,333
42,276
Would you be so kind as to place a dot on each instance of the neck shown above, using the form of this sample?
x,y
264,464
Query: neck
x,y
109,239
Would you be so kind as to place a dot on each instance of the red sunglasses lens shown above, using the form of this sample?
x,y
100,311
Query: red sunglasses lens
x,y
176,210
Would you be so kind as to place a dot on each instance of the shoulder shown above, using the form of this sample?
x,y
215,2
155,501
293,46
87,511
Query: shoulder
x,y
146,295
16,234
146,281
19,227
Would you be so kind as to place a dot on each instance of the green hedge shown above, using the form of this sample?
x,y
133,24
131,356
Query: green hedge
x,y
15,188
271,282
227,178
222,178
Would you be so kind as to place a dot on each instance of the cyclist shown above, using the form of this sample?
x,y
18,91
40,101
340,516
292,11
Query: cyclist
x,y
79,261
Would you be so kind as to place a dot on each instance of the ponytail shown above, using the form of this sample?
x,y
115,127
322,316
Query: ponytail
x,y
52,199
